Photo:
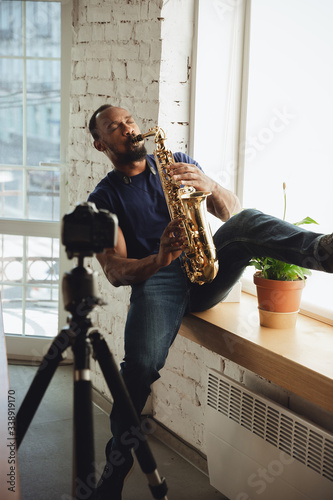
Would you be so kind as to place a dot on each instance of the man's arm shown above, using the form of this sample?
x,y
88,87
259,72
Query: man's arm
x,y
122,271
222,203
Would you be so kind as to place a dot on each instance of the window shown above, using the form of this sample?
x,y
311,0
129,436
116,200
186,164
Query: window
x,y
289,126
263,105
30,156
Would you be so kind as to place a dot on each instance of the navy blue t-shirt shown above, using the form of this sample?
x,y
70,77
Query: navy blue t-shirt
x,y
139,205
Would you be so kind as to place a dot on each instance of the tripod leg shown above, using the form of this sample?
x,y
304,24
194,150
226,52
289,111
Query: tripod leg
x,y
83,470
40,383
120,394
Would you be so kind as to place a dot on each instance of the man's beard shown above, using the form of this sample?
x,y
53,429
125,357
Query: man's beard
x,y
132,154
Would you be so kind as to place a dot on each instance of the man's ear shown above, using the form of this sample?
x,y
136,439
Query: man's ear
x,y
99,146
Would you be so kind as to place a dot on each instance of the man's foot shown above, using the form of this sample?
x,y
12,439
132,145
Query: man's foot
x,y
111,483
325,252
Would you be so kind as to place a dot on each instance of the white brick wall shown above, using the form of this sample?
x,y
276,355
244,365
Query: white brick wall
x,y
115,58
138,55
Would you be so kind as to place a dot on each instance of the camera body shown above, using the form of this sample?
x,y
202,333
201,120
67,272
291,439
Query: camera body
x,y
86,230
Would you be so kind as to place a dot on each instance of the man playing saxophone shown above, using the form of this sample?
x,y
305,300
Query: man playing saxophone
x,y
148,253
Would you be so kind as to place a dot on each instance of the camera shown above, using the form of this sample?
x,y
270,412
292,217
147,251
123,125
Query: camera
x,y
86,230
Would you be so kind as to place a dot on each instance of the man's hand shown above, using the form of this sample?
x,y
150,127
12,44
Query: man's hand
x,y
172,243
222,203
191,175
121,270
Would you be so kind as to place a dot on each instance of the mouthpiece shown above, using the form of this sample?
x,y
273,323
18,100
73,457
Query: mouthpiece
x,y
137,138
140,137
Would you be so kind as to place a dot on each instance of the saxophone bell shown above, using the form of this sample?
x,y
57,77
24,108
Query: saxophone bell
x,y
200,260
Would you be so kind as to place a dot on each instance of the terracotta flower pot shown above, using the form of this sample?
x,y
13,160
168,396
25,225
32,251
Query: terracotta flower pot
x,y
278,301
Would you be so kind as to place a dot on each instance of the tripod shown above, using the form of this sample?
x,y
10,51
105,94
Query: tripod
x,y
80,299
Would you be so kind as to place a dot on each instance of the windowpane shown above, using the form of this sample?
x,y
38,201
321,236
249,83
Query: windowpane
x,y
11,276
11,111
43,195
13,270
41,315
43,29
11,28
42,260
11,254
43,111
11,190
12,309
11,246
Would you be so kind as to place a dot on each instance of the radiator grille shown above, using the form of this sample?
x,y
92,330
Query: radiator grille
x,y
301,440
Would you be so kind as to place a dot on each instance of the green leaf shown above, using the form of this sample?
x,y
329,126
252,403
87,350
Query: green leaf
x,y
256,264
276,270
273,269
307,220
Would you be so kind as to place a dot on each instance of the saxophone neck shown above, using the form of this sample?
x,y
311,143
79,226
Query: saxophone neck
x,y
157,132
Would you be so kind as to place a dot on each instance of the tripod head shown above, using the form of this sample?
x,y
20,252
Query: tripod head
x,y
85,231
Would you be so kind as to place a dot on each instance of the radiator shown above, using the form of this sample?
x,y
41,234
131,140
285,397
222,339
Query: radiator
x,y
257,449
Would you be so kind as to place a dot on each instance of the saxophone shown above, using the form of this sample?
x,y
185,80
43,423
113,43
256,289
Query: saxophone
x,y
200,260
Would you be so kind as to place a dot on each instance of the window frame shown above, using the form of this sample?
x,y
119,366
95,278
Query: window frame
x,y
18,345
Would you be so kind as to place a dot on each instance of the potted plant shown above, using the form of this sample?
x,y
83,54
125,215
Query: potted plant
x,y
279,286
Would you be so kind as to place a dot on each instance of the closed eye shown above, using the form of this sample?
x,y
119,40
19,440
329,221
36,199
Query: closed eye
x,y
112,127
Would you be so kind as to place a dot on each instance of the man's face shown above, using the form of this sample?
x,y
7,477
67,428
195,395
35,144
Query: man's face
x,y
116,128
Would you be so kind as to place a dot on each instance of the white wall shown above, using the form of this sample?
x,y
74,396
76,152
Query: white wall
x,y
138,55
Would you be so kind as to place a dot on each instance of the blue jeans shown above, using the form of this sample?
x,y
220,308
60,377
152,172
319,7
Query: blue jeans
x,y
158,304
